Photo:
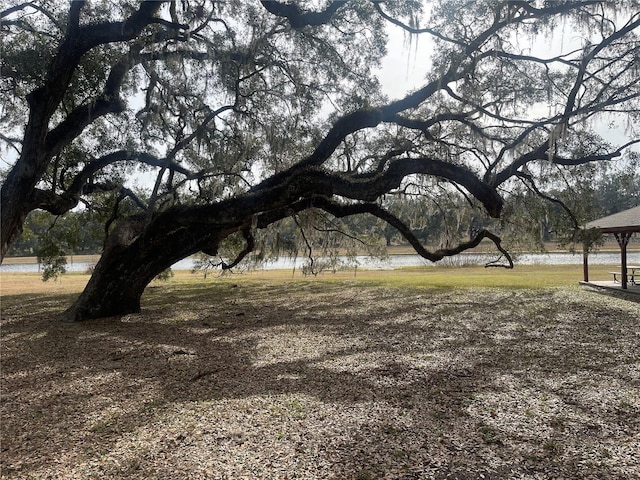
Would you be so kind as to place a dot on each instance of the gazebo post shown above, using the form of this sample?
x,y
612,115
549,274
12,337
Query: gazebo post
x,y
585,261
623,241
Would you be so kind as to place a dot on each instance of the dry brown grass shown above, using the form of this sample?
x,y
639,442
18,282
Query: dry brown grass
x,y
32,284
314,379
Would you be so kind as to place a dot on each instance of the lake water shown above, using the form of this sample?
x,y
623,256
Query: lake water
x,y
393,261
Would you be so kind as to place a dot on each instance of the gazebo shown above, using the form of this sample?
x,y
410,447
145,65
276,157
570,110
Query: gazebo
x,y
622,225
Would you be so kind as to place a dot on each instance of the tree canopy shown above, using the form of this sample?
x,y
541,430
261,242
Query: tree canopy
x,y
201,120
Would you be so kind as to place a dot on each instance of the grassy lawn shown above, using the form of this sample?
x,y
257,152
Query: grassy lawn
x,y
523,276
416,374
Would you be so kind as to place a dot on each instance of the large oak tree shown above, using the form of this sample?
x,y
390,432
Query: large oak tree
x,y
239,114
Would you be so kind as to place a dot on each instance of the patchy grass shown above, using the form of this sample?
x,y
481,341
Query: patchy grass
x,y
523,276
412,374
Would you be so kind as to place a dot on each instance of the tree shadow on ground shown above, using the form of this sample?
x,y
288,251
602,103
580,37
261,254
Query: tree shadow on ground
x,y
330,381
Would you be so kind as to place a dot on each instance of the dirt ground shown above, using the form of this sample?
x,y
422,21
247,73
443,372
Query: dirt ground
x,y
325,381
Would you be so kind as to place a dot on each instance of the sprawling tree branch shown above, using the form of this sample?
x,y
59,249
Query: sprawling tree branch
x,y
298,18
414,30
82,184
340,210
545,152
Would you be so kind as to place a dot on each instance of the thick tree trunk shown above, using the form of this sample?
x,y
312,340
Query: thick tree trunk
x,y
134,254
115,288
11,221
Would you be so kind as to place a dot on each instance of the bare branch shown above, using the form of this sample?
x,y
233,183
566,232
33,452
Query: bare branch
x,y
413,30
12,142
16,8
588,57
250,244
308,245
530,183
542,153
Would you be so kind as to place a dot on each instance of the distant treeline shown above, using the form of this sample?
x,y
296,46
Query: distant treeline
x,y
439,219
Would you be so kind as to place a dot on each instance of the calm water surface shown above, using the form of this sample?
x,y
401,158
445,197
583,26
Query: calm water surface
x,y
393,261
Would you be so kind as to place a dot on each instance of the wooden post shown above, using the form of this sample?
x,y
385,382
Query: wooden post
x,y
585,262
623,240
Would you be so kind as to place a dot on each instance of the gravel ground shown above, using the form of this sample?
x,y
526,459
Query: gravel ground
x,y
325,381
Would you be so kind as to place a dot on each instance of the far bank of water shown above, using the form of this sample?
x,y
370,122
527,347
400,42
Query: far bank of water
x,y
391,262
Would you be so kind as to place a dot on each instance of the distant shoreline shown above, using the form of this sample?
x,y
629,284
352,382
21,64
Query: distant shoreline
x,y
70,258
610,247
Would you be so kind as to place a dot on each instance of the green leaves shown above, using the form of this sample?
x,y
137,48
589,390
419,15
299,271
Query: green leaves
x,y
52,259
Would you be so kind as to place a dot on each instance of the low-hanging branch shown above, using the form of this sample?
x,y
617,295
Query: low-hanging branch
x,y
317,181
342,210
250,245
528,180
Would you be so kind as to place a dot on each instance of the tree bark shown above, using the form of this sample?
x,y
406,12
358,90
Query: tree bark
x,y
16,192
135,253
115,288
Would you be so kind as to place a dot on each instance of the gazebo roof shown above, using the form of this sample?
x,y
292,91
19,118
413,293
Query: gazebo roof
x,y
625,221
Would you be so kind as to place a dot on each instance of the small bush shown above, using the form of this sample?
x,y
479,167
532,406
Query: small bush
x,y
51,257
165,275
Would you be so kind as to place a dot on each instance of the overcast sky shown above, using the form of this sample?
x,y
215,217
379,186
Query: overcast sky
x,y
406,63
